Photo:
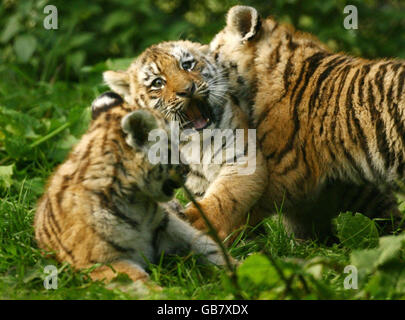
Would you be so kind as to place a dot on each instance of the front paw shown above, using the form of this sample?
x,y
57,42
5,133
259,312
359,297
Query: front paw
x,y
174,207
197,221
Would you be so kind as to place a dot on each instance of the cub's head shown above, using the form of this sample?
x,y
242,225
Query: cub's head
x,y
179,78
138,139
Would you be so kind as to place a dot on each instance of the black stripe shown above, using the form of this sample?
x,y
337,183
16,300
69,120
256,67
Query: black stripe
x,y
398,124
349,106
106,202
125,218
291,166
119,248
401,81
329,67
330,94
313,63
345,71
52,215
379,80
67,251
221,210
380,129
197,174
364,71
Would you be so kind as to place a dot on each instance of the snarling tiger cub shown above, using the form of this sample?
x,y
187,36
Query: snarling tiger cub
x,y
181,80
102,205
323,119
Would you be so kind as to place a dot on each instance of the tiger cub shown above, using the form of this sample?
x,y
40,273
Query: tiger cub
x,y
320,116
102,204
183,82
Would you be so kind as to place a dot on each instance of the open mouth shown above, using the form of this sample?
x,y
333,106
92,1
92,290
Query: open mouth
x,y
169,186
198,115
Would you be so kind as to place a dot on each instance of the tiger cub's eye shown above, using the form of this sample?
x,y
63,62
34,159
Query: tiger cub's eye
x,y
158,83
188,65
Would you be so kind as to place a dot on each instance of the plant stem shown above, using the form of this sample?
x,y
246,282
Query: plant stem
x,y
50,135
213,232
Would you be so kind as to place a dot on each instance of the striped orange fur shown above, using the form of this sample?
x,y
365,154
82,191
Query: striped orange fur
x,y
102,205
182,80
321,117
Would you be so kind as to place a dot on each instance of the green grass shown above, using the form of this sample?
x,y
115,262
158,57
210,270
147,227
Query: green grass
x,y
39,123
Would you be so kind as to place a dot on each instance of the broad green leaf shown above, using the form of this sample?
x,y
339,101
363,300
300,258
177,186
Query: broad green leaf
x,y
390,247
257,270
6,173
365,260
24,47
388,251
356,231
12,28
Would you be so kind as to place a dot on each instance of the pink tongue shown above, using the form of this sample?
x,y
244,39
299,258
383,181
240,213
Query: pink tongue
x,y
200,123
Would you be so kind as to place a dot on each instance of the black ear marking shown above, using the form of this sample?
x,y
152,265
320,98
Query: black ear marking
x,y
105,102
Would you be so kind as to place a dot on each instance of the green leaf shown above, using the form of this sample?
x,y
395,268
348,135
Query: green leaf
x,y
6,173
390,247
380,285
388,251
24,47
257,270
356,231
11,29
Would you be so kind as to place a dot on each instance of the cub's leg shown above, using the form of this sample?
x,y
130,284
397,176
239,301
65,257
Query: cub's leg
x,y
178,236
307,208
379,203
134,271
230,197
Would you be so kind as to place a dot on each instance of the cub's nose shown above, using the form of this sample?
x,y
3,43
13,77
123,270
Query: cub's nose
x,y
188,93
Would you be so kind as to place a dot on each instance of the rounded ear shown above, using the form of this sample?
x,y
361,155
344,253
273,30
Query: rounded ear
x,y
137,126
204,48
244,21
118,81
